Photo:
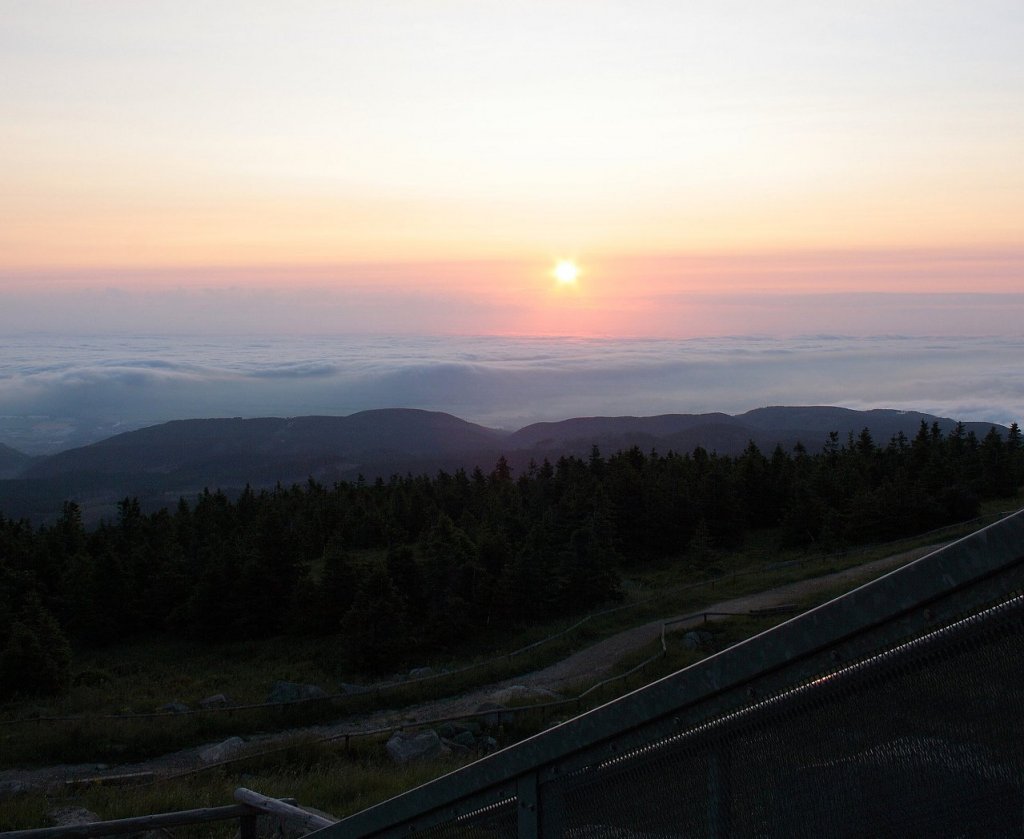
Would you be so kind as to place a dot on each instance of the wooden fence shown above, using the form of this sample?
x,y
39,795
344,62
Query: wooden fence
x,y
251,806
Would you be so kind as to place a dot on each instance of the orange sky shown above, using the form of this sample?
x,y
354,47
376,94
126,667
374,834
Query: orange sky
x,y
461,147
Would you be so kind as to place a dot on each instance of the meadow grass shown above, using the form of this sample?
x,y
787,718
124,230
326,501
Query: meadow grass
x,y
328,777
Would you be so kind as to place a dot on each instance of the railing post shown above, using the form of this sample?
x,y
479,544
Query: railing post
x,y
281,810
528,812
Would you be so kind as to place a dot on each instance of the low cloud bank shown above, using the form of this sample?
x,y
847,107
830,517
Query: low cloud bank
x,y
56,394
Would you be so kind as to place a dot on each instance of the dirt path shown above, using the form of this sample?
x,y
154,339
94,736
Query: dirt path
x,y
595,661
587,665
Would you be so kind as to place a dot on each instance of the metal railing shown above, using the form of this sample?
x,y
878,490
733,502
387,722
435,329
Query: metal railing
x,y
896,709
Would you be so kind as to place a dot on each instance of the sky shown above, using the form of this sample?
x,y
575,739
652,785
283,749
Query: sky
x,y
419,166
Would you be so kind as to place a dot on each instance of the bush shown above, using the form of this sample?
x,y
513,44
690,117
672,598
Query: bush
x,y
36,658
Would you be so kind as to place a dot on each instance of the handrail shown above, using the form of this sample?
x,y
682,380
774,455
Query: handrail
x,y
134,825
282,809
251,805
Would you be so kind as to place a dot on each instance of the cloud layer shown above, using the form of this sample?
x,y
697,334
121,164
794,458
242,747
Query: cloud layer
x,y
55,393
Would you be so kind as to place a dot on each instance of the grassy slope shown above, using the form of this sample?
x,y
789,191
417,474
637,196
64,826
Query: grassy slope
x,y
142,676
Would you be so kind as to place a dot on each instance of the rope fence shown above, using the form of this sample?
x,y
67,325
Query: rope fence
x,y
515,711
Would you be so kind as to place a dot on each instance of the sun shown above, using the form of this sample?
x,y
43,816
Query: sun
x,y
566,272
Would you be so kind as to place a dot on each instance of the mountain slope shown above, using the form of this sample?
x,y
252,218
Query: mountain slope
x,y
724,433
583,666
12,462
240,444
163,462
820,420
591,429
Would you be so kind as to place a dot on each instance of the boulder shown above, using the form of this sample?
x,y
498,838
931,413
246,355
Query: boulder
x,y
404,746
487,745
522,693
174,708
70,816
351,690
218,700
464,738
12,789
457,748
222,751
294,692
455,730
494,714
697,638
421,672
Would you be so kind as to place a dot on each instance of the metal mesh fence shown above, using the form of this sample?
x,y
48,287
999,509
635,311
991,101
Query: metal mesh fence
x,y
921,740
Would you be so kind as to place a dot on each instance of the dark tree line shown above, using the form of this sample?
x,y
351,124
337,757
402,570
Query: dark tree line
x,y
399,568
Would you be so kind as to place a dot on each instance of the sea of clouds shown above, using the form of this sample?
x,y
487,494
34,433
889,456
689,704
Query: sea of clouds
x,y
61,392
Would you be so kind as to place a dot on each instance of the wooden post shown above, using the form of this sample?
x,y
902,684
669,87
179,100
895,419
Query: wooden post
x,y
276,807
247,827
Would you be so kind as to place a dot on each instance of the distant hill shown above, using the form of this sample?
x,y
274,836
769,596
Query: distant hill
x,y
595,428
883,423
12,462
234,449
725,433
163,462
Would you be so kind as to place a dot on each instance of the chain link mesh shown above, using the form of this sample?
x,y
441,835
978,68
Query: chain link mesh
x,y
921,740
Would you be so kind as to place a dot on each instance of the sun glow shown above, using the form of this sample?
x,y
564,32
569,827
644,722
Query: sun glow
x,y
566,272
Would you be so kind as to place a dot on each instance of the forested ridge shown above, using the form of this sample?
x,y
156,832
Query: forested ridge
x,y
412,566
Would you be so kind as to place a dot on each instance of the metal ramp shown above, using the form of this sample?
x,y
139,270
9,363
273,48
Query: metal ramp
x,y
894,710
